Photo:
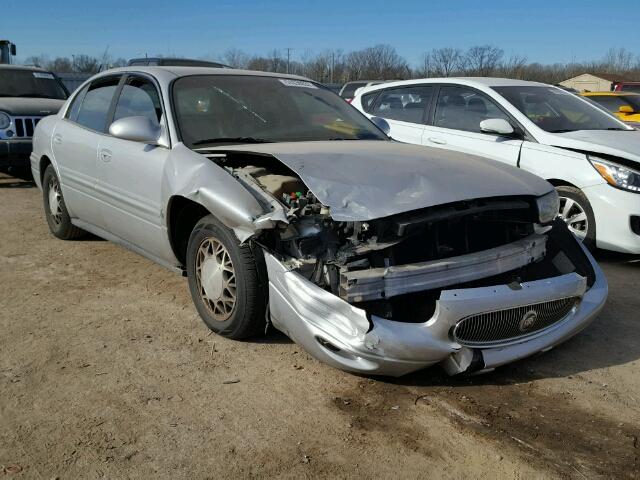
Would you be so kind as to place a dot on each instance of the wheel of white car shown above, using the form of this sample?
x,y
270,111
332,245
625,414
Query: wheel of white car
x,y
576,211
55,209
227,280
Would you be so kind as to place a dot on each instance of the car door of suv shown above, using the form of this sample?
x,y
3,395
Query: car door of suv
x,y
456,125
130,174
404,108
75,146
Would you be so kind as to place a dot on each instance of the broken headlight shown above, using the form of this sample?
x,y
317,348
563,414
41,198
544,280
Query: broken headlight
x,y
548,207
617,175
5,121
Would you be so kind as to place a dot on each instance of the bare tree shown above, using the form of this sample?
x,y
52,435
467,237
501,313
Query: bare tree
x,y
514,67
86,64
483,60
236,58
444,62
618,60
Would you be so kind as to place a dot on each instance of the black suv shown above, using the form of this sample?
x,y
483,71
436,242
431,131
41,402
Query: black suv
x,y
27,94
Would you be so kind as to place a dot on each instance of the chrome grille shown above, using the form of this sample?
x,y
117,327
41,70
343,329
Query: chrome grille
x,y
24,126
503,326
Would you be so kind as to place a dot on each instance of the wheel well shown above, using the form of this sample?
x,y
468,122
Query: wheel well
x,y
182,216
560,183
44,163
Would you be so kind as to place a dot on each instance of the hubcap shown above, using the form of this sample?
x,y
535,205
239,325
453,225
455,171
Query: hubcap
x,y
216,278
574,215
55,201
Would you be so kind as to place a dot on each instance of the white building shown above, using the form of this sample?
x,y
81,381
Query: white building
x,y
599,82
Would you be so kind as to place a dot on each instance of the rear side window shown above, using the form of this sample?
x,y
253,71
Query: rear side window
x,y
367,101
139,98
462,108
74,109
97,101
406,104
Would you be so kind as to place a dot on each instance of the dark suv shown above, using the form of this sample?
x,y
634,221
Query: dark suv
x,y
27,94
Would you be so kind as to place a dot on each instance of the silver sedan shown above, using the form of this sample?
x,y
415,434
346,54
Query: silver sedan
x,y
284,205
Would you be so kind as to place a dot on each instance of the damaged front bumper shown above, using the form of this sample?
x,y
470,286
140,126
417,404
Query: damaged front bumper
x,y
336,332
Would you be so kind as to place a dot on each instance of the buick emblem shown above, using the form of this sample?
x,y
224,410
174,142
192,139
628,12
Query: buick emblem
x,y
528,320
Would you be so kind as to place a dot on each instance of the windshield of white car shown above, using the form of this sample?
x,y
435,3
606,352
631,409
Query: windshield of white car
x,y
30,84
218,109
556,111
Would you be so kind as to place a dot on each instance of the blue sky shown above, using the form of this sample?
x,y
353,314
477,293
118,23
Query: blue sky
x,y
544,31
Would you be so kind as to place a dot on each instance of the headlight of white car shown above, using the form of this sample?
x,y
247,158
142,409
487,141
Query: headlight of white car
x,y
617,175
548,206
5,121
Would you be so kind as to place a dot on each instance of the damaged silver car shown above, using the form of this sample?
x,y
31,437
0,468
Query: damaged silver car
x,y
282,204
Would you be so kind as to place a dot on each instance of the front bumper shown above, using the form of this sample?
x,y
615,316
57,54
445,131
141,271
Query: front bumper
x,y
15,153
613,209
337,333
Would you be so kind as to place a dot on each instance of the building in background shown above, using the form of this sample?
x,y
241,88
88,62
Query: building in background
x,y
596,82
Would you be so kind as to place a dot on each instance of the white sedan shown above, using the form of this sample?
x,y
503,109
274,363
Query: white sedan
x,y
592,158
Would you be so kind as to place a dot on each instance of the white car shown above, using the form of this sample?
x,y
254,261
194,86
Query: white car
x,y
591,157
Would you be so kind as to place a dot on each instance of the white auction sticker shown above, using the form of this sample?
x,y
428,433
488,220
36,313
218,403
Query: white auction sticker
x,y
48,76
296,83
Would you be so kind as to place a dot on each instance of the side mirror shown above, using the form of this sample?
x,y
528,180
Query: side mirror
x,y
627,109
136,129
382,124
496,125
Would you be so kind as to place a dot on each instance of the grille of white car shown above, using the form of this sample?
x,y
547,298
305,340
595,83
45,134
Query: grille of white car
x,y
24,126
504,326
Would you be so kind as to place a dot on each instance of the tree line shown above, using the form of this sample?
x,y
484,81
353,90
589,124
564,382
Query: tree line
x,y
383,62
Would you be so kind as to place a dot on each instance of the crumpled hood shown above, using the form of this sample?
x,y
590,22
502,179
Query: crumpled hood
x,y
616,143
23,106
365,180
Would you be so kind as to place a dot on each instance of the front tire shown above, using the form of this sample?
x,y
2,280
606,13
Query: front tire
x,y
577,213
227,280
55,209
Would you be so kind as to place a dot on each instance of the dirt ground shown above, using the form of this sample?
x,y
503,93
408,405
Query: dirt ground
x,y
106,371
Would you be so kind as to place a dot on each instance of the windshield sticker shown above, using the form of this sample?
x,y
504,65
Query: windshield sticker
x,y
296,83
48,76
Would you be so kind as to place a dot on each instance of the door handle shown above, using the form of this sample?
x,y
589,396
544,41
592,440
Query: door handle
x,y
439,141
57,138
105,155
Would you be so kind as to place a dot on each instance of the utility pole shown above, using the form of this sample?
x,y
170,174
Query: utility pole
x,y
288,58
333,64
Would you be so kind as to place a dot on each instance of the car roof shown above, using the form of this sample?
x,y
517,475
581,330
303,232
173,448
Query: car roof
x,y
167,71
31,68
468,81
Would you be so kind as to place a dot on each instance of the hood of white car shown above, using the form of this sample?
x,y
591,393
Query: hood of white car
x,y
365,180
624,144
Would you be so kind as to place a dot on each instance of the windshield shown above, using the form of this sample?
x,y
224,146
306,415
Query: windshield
x,y
29,83
557,111
217,109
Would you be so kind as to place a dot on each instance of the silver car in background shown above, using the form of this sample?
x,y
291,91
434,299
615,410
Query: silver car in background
x,y
282,204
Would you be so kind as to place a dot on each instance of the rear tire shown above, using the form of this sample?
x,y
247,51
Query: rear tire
x,y
577,213
227,280
55,209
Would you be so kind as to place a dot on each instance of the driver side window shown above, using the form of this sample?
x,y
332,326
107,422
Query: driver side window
x,y
139,98
461,108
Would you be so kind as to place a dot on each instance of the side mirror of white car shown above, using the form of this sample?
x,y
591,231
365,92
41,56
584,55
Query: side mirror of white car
x,y
137,129
496,125
382,124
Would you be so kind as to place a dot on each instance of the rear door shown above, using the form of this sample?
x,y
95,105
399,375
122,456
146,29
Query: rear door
x,y
130,173
75,146
405,109
455,125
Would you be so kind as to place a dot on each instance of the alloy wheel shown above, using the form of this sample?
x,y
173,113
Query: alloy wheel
x,y
216,278
575,217
55,201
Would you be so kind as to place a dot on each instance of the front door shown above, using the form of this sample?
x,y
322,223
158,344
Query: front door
x,y
130,174
456,125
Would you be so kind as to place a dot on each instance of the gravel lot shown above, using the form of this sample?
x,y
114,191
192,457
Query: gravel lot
x,y
106,371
